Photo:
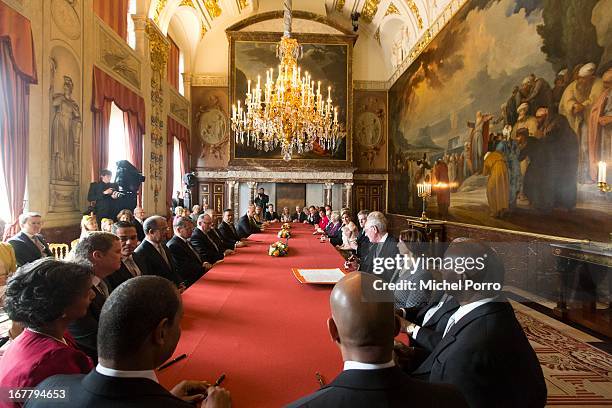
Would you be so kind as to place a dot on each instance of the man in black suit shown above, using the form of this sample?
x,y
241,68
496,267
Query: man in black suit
x,y
382,246
103,192
484,351
132,265
139,215
228,231
214,234
101,250
177,201
364,333
156,255
29,245
271,215
262,199
363,243
139,330
299,215
185,256
247,225
201,240
313,216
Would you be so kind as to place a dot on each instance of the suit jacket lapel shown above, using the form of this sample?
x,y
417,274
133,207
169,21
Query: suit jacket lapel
x,y
31,246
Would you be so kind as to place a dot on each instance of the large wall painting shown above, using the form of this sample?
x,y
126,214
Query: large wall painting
x,y
327,58
507,111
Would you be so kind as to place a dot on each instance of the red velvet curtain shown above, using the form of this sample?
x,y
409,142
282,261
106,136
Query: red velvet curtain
x,y
175,129
114,14
173,64
17,72
107,90
134,137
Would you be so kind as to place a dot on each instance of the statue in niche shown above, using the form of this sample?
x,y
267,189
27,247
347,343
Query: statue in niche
x,y
65,132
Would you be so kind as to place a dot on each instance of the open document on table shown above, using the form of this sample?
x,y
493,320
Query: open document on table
x,y
318,276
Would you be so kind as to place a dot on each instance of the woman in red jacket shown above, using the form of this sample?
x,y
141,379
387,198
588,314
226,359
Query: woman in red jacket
x,y
45,296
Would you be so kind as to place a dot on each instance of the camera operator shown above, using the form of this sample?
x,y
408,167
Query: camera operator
x,y
103,193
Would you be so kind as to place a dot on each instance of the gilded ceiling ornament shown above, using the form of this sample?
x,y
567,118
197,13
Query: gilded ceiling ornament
x,y
340,5
369,10
413,7
377,35
160,7
243,4
187,3
158,46
213,8
392,10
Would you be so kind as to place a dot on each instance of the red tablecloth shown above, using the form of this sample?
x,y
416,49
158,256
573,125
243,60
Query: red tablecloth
x,y
251,319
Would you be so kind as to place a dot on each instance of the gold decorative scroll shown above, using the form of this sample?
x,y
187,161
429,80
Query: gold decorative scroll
x,y
243,4
340,5
369,10
160,7
187,3
415,10
392,10
213,8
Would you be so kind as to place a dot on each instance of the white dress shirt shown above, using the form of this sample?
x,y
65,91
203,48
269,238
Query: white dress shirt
x,y
109,372
356,365
430,312
464,310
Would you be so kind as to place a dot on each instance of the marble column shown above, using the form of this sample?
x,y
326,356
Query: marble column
x,y
348,194
230,193
187,84
252,190
327,193
140,23
236,198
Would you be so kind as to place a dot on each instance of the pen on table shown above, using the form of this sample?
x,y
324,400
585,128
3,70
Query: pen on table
x,y
174,360
220,380
320,379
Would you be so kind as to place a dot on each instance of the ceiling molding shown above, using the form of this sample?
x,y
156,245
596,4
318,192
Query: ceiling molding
x,y
370,85
221,80
297,14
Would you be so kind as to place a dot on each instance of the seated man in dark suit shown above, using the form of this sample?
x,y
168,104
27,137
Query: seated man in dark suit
x,y
270,214
313,216
136,335
185,256
299,215
132,265
29,245
364,332
247,225
208,249
156,255
228,231
102,251
484,351
363,242
214,234
382,245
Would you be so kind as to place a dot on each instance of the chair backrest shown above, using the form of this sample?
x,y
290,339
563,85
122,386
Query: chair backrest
x,y
74,243
59,250
412,235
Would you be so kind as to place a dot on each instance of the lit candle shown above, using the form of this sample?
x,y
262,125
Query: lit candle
x,y
329,93
601,177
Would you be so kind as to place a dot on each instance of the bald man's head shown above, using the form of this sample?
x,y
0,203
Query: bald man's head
x,y
362,328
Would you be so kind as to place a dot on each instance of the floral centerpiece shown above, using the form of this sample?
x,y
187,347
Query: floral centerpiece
x,y
284,233
286,226
278,249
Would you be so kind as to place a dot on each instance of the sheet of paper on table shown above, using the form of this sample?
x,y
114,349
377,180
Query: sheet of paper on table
x,y
320,276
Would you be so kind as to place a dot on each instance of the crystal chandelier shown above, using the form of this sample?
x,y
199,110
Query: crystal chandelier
x,y
288,111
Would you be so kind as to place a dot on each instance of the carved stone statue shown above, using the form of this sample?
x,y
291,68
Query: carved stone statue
x,y
65,134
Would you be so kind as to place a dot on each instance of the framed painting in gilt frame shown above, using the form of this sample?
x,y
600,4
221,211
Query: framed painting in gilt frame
x,y
328,58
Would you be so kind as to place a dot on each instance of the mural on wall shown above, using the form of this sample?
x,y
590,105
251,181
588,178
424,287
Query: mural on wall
x,y
507,111
325,62
210,126
369,130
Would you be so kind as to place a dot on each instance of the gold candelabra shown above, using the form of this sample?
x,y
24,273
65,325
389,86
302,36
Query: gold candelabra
x,y
424,191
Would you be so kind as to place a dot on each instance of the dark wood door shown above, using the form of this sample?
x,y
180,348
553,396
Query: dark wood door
x,y
369,195
212,193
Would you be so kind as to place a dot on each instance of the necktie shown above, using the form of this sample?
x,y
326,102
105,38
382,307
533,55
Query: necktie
x,y
163,254
212,241
131,266
193,250
39,245
233,229
102,288
451,323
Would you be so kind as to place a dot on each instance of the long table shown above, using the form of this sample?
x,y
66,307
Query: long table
x,y
252,320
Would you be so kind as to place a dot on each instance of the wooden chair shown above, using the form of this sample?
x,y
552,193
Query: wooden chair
x,y
59,250
412,235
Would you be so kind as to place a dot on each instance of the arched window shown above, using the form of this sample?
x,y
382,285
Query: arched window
x,y
117,139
